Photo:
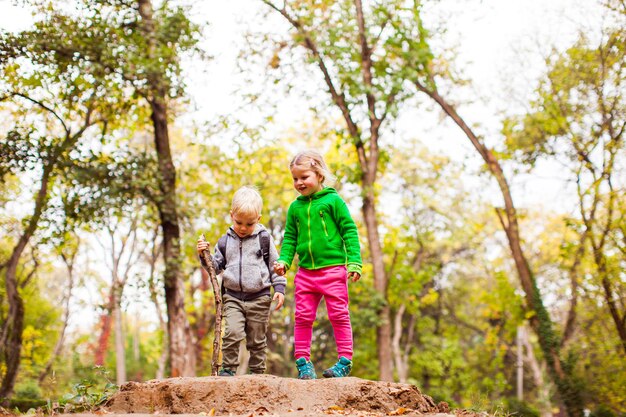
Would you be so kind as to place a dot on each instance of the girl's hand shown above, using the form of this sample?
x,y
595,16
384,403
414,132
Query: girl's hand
x,y
354,276
280,300
202,245
279,268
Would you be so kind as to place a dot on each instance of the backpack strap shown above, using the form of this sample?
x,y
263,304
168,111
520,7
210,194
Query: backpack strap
x,y
264,242
221,245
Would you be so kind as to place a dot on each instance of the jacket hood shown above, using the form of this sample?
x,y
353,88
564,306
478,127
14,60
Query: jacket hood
x,y
321,193
257,229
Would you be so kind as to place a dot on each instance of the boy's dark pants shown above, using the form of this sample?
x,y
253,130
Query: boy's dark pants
x,y
249,320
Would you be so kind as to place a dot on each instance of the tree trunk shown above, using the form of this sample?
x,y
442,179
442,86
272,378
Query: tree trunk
x,y
181,344
12,336
570,321
401,367
619,320
120,351
540,322
202,317
369,167
541,386
383,331
152,260
401,352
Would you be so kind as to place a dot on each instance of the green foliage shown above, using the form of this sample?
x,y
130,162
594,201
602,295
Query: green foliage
x,y
521,408
27,396
603,411
18,153
600,360
586,80
88,394
28,390
25,405
103,184
576,119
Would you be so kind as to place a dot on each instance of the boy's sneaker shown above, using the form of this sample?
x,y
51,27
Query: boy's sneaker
x,y
305,369
225,372
340,369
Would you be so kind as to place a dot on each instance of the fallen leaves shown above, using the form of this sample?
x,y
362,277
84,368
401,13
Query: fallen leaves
x,y
400,411
335,409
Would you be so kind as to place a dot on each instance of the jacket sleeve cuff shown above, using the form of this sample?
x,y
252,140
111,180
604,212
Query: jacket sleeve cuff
x,y
355,268
287,266
279,288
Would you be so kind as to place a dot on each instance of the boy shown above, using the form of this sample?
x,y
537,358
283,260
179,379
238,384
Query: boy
x,y
243,256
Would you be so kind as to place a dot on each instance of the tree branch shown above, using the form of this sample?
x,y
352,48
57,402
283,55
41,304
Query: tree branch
x,y
43,106
337,96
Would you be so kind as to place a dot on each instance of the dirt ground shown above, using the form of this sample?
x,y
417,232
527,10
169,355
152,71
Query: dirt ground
x,y
267,395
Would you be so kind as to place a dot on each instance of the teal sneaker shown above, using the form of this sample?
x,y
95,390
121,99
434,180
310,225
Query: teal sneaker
x,y
225,372
305,369
340,369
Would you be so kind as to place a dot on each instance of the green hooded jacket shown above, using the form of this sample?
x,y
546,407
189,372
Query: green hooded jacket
x,y
321,231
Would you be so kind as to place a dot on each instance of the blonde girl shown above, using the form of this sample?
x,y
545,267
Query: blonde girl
x,y
322,232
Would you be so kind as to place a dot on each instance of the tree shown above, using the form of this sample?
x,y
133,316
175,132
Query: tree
x,y
63,105
431,236
123,258
77,86
158,63
578,117
140,48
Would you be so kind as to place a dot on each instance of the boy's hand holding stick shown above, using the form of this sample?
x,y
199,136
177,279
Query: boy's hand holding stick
x,y
217,338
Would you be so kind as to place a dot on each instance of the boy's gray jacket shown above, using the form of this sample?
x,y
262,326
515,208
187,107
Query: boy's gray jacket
x,y
245,269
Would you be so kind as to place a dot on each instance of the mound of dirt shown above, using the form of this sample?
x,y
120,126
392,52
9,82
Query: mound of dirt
x,y
267,394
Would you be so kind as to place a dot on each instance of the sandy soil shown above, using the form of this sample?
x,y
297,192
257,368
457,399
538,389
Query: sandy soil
x,y
259,395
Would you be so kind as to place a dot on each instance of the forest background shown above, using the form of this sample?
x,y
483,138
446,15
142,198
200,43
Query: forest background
x,y
491,209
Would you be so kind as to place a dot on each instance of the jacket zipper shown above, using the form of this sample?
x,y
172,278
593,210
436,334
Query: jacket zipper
x,y
324,223
240,264
308,214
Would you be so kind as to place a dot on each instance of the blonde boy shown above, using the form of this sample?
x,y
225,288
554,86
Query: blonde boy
x,y
243,256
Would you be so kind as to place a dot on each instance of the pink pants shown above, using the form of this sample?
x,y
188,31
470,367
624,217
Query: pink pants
x,y
311,285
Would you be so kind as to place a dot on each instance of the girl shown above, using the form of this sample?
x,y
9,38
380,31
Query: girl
x,y
321,231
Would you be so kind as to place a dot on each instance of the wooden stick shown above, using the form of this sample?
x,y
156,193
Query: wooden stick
x,y
217,292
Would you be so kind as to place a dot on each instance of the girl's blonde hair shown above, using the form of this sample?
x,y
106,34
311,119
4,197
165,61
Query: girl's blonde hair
x,y
314,161
247,201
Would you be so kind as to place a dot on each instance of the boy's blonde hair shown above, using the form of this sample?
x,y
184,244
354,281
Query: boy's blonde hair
x,y
314,161
247,201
